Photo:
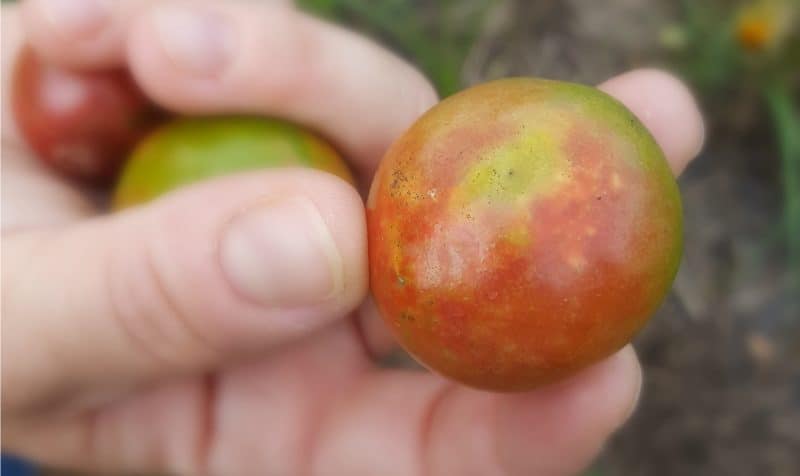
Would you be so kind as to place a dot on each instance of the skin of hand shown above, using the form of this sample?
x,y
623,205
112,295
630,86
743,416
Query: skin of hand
x,y
225,329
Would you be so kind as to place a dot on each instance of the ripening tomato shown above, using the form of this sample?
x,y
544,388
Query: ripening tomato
x,y
521,230
83,124
189,150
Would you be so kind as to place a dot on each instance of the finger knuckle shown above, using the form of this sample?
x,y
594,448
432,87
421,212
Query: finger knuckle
x,y
149,315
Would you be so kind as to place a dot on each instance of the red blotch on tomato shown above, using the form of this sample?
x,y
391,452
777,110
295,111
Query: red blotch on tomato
x,y
83,124
520,231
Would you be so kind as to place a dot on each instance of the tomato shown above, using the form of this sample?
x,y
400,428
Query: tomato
x,y
189,150
521,230
83,124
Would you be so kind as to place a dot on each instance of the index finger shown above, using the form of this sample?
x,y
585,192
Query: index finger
x,y
236,57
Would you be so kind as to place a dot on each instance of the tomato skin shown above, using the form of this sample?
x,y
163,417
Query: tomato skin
x,y
82,124
189,150
520,231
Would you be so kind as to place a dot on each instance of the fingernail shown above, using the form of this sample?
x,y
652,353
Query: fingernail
x,y
282,254
75,17
195,39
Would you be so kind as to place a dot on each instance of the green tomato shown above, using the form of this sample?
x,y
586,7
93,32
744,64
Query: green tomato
x,y
191,150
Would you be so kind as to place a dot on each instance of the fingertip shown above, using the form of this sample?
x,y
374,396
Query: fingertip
x,y
76,33
418,95
561,428
67,19
428,96
667,108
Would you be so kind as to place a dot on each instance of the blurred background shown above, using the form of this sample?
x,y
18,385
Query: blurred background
x,y
722,358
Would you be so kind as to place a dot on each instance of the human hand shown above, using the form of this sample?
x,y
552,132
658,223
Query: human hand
x,y
223,329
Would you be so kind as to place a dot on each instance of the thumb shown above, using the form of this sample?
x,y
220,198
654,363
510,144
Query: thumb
x,y
202,276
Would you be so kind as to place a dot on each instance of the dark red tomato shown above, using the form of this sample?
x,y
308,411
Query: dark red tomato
x,y
83,124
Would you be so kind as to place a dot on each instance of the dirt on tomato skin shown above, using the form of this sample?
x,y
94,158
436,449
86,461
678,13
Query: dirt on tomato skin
x,y
520,231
